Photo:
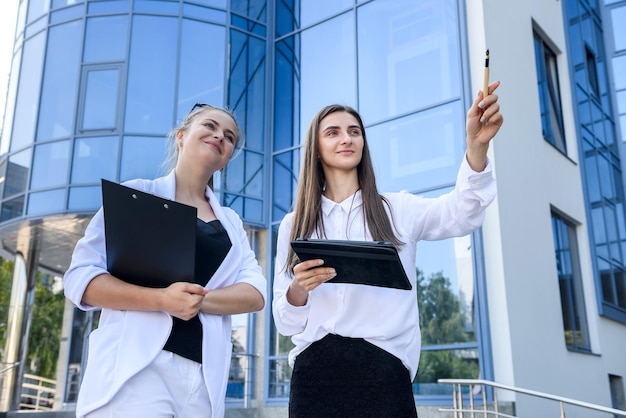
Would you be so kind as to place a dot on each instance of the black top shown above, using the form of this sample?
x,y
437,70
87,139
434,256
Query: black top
x,y
212,245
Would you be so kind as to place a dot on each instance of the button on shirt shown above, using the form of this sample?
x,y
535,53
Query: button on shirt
x,y
385,317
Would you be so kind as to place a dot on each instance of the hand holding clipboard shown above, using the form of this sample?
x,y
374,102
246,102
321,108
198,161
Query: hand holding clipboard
x,y
150,241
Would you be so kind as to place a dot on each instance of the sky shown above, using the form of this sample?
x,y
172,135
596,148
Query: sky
x,y
8,16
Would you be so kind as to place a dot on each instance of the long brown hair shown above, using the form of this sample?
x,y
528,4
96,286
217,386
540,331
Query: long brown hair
x,y
307,216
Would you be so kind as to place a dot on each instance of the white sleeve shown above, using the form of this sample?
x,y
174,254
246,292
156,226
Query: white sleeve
x,y
289,319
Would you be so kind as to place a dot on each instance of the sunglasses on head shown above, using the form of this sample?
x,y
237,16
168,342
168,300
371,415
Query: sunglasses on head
x,y
200,105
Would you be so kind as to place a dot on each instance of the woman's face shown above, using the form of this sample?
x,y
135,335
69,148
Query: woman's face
x,y
340,141
211,138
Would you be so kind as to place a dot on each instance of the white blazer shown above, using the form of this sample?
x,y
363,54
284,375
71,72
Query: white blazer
x,y
127,341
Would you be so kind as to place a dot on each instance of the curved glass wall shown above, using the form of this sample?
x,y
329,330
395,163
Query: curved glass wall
x,y
96,86
114,77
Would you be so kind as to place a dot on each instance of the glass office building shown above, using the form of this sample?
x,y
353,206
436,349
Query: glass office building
x,y
96,85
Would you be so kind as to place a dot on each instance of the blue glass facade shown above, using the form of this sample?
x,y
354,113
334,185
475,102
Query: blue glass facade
x,y
600,154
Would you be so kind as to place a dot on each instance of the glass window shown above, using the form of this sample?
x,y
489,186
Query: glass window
x,y
28,92
220,3
203,13
35,27
311,12
152,75
601,161
240,359
287,17
82,324
280,372
156,6
549,95
420,151
105,39
101,98
248,174
85,198
328,66
202,66
21,19
142,157
50,165
256,10
621,101
285,182
36,9
243,179
251,210
246,86
18,171
445,269
570,284
105,7
60,83
446,298
619,72
286,87
56,4
248,25
592,71
9,110
410,50
12,209
618,397
279,346
618,18
67,14
51,201
4,162
95,159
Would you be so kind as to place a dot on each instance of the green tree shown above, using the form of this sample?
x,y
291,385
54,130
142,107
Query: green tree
x,y
442,322
6,278
47,320
45,329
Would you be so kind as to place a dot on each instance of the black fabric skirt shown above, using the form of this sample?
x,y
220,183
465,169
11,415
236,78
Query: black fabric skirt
x,y
348,377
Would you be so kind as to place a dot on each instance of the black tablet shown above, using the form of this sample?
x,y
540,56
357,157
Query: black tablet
x,y
359,262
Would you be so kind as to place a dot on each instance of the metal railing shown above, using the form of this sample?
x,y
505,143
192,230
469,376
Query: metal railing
x,y
8,366
37,393
477,407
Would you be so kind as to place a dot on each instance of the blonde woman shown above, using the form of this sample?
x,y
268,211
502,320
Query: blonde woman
x,y
166,352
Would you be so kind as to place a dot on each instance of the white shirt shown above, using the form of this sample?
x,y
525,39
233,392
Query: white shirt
x,y
385,317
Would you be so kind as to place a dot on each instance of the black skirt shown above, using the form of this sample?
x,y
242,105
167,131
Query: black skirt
x,y
349,377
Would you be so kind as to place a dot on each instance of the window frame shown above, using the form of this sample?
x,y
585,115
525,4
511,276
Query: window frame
x,y
566,249
83,94
549,91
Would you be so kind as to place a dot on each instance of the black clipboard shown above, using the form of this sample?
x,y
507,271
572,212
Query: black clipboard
x,y
359,262
150,241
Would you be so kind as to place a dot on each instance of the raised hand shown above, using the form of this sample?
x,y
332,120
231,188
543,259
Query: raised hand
x,y
483,122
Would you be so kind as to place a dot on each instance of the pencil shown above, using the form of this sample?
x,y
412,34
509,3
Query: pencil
x,y
486,76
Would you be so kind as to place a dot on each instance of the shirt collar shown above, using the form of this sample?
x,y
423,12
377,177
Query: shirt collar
x,y
350,203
